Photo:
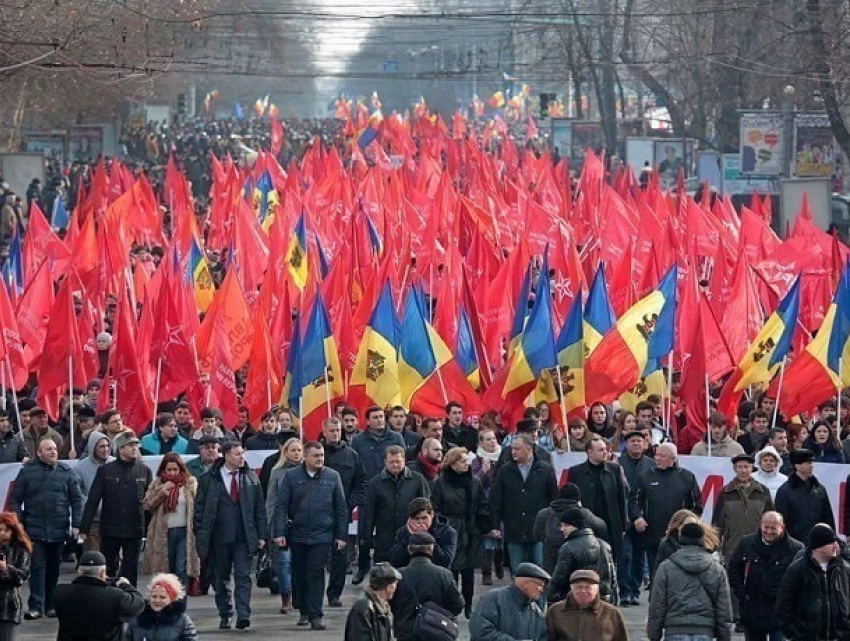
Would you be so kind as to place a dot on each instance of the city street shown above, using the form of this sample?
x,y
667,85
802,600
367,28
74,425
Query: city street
x,y
266,623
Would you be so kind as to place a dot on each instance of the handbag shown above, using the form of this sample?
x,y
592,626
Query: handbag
x,y
265,573
434,623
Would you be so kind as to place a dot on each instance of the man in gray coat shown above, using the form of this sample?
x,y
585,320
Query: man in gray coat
x,y
690,593
98,449
512,612
310,515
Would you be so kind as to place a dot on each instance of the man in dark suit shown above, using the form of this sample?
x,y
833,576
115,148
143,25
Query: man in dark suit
x,y
604,490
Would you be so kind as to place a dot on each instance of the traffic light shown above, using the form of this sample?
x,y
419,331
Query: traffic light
x,y
544,105
181,104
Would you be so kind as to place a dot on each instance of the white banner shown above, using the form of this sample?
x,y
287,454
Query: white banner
x,y
711,473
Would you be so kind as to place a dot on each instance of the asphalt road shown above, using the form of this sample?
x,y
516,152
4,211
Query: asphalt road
x,y
267,623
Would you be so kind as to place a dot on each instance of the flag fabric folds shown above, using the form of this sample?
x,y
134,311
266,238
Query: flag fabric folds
x,y
620,359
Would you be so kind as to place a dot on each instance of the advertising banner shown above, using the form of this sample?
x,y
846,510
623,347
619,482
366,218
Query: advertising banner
x,y
762,143
814,146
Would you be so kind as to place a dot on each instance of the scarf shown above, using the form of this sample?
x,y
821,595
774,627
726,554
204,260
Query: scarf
x,y
179,480
428,468
493,457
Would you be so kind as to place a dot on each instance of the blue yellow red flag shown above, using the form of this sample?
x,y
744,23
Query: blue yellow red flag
x,y
320,373
618,362
296,254
375,377
520,311
766,353
599,316
465,353
201,278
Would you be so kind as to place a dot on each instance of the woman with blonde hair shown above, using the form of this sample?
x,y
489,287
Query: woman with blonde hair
x,y
670,543
459,496
170,539
292,454
164,616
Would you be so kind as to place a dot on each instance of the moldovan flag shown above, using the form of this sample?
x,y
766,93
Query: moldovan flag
x,y
296,255
619,361
813,376
535,352
429,377
375,378
466,355
570,348
599,316
320,374
766,353
201,278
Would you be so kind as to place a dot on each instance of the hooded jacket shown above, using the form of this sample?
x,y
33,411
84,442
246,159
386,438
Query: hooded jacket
x,y
88,467
547,528
169,624
582,551
771,480
690,595
803,504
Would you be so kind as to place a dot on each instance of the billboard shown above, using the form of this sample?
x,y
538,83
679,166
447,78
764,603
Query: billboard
x,y
586,135
762,143
562,136
735,182
814,146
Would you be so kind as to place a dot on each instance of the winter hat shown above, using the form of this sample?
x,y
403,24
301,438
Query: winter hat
x,y
768,450
802,456
569,492
382,575
127,437
692,534
821,535
575,517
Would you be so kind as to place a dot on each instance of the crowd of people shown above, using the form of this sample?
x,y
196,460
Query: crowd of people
x,y
437,500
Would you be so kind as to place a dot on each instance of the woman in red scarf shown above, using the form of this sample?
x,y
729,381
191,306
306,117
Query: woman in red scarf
x,y
171,501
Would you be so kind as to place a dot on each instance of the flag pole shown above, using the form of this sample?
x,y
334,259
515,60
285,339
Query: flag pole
x,y
158,381
840,386
328,391
268,393
563,408
669,393
401,290
779,392
14,397
345,383
442,385
3,389
71,399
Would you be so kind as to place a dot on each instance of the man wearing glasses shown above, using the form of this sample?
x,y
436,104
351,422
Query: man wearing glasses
x,y
119,487
512,611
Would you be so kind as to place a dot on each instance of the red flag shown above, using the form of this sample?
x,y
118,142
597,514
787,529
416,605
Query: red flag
x,y
265,378
133,387
11,343
222,375
170,353
231,309
61,344
41,242
33,312
743,316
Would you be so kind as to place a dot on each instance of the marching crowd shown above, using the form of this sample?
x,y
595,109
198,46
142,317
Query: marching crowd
x,y
437,500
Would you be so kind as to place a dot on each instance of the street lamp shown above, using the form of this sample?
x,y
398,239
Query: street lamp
x,y
789,92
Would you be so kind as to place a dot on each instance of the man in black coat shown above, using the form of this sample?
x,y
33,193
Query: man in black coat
x,y
531,428
604,490
802,500
388,496
658,494
520,490
47,498
813,602
230,526
120,488
339,456
547,523
311,517
457,433
88,608
581,551
755,574
634,461
421,582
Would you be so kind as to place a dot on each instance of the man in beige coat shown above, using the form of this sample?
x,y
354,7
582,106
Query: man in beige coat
x,y
583,615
